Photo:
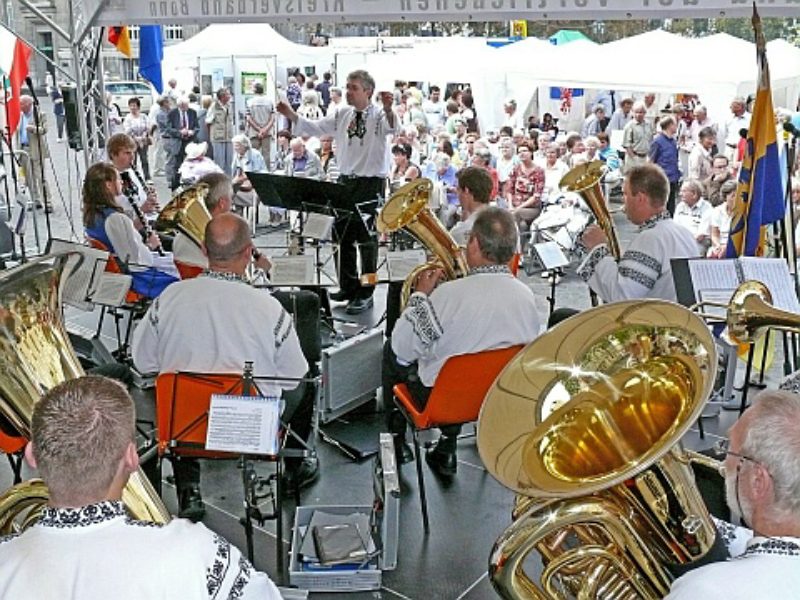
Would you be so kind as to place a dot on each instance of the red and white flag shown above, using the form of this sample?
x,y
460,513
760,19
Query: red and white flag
x,y
14,58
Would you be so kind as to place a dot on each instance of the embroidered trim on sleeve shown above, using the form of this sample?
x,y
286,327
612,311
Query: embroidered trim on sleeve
x,y
598,253
280,336
644,260
422,316
637,276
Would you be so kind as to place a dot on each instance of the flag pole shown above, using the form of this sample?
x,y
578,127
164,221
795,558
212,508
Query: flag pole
x,y
6,135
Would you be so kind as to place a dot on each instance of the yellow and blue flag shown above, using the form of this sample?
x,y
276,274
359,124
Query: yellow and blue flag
x,y
759,194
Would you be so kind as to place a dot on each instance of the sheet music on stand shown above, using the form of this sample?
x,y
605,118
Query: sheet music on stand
x,y
400,263
550,255
716,279
244,424
318,226
293,270
83,283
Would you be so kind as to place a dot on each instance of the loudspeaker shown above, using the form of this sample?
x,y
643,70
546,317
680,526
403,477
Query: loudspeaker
x,y
71,107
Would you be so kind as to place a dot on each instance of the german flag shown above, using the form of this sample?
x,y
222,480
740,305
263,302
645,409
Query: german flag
x,y
120,38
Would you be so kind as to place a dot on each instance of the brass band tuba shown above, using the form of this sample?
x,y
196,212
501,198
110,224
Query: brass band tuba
x,y
586,428
36,355
187,212
407,209
585,179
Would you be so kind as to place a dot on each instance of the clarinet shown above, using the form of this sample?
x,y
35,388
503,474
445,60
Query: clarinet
x,y
131,192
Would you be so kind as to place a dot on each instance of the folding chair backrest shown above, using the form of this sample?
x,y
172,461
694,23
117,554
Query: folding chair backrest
x,y
113,266
182,403
188,271
463,383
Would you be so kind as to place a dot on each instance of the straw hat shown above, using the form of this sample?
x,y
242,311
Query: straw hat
x,y
194,151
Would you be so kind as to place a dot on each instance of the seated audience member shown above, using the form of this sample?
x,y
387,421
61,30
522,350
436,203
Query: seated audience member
x,y
459,317
474,189
482,159
216,322
554,170
196,164
105,222
403,170
245,160
301,162
694,213
721,221
525,187
720,174
763,487
85,546
644,271
443,174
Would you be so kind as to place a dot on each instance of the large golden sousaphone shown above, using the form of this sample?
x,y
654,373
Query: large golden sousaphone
x,y
187,212
407,209
35,356
584,424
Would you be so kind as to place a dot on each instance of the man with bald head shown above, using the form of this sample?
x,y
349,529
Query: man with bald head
x,y
215,323
33,141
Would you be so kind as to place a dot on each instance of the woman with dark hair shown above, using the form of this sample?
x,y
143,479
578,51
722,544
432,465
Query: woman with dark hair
x,y
105,222
403,170
469,113
524,188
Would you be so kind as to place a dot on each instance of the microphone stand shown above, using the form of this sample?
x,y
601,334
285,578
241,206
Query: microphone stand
x,y
39,133
791,151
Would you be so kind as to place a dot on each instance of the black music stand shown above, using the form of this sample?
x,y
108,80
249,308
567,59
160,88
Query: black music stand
x,y
300,194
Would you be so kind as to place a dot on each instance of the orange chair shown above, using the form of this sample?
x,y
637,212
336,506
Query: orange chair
x,y
12,445
135,305
182,405
456,398
188,271
514,263
112,266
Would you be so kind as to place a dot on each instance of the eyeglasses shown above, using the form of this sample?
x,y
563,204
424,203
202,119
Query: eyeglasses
x,y
722,448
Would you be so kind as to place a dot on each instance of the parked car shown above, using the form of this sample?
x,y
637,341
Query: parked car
x,y
122,91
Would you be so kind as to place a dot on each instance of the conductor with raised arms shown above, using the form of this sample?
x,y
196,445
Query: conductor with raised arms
x,y
360,131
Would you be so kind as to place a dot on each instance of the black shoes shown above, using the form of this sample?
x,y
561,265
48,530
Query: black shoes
x,y
301,476
358,306
441,461
402,451
340,296
190,503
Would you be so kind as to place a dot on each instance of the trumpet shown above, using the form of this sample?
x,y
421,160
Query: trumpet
x,y
750,313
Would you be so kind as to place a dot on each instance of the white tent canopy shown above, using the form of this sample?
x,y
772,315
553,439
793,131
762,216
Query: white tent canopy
x,y
242,40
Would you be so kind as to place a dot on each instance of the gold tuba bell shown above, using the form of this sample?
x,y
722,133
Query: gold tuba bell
x,y
407,209
586,427
585,179
36,355
187,212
